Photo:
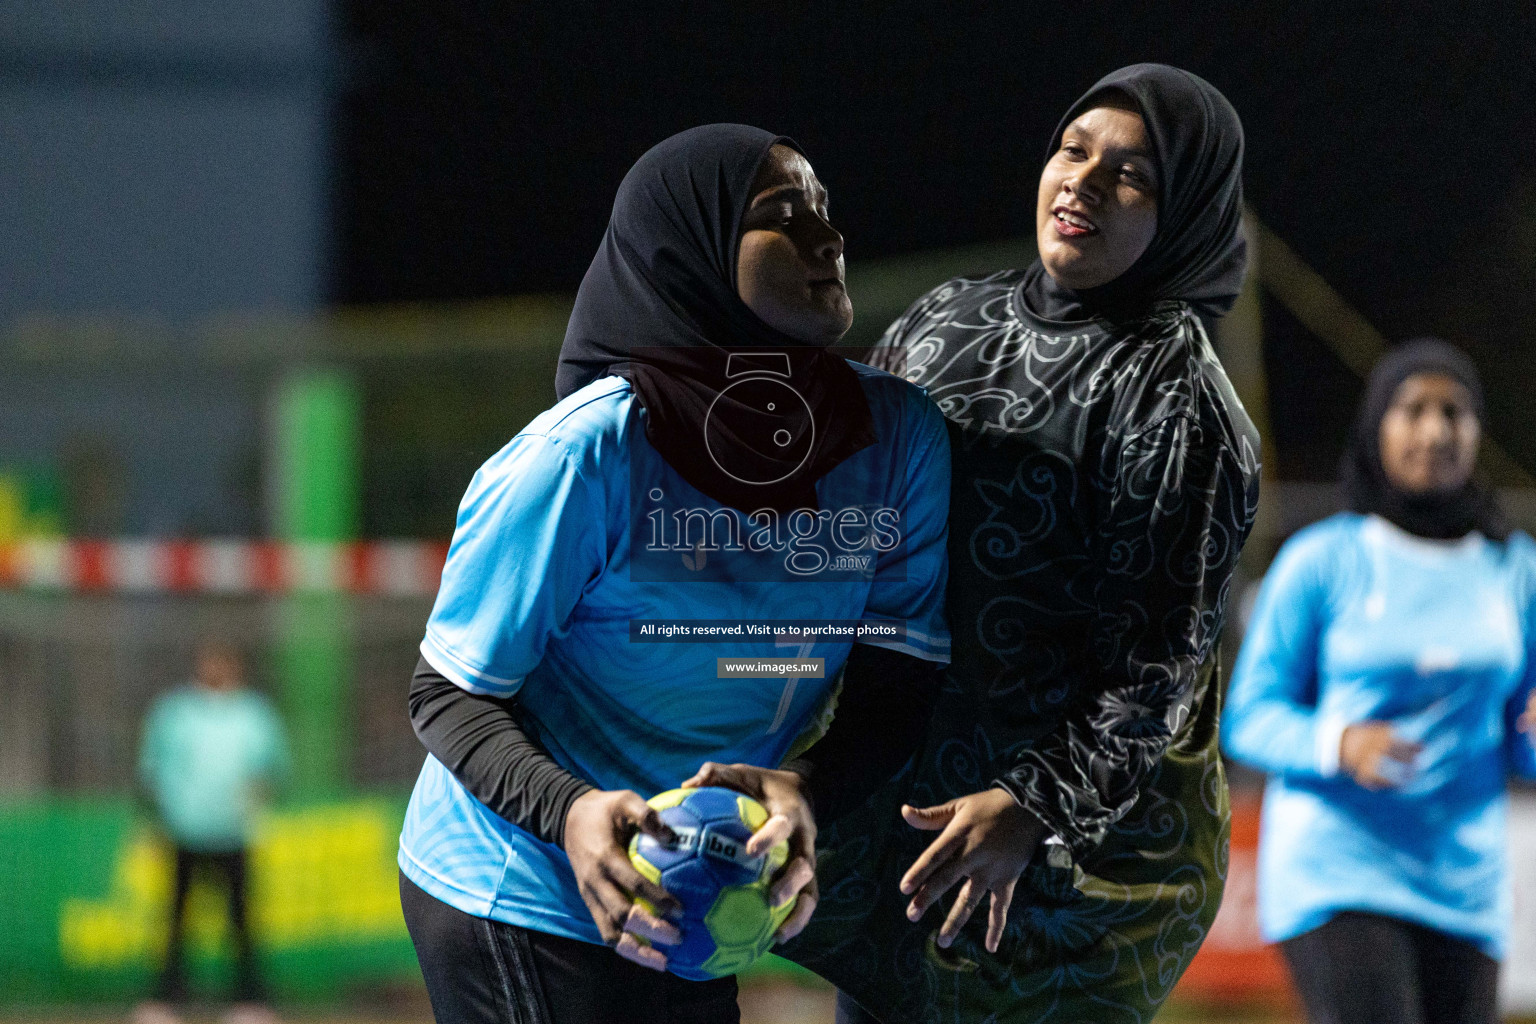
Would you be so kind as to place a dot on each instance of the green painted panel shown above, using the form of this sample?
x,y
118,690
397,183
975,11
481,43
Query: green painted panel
x,y
86,915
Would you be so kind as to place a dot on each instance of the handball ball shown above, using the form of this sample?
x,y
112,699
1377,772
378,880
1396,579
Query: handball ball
x,y
727,922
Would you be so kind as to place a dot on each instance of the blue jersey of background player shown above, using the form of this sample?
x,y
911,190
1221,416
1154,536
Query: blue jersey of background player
x,y
1388,685
709,459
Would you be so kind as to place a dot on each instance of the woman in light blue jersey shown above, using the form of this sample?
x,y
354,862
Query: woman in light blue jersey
x,y
1386,686
709,460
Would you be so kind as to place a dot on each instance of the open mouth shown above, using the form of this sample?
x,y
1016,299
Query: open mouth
x,y
1073,224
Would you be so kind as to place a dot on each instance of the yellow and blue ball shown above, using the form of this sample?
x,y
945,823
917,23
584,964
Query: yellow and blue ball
x,y
727,921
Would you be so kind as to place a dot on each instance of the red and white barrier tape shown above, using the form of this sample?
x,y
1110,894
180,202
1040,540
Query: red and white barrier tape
x,y
395,568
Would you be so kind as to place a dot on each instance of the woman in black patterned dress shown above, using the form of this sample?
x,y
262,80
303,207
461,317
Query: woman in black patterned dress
x,y
1105,478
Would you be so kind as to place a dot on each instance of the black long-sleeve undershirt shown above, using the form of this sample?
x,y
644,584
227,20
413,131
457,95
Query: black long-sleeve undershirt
x,y
884,705
481,740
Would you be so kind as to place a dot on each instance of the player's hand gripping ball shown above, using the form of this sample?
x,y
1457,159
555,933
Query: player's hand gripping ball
x,y
727,922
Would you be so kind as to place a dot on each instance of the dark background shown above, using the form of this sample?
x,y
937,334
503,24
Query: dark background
x,y
1391,145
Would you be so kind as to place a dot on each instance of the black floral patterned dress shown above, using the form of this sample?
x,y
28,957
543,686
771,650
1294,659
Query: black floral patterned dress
x,y
1105,479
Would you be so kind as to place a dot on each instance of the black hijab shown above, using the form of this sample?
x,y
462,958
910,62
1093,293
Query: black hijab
x,y
1442,515
1198,252
658,306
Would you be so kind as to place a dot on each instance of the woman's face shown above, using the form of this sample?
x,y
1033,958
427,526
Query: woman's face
x,y
789,269
1429,435
1097,209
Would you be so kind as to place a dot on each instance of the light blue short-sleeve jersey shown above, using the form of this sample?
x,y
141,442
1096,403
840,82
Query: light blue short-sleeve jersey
x,y
576,530
210,757
1358,620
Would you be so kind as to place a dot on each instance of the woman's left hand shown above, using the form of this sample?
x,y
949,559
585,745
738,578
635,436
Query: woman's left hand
x,y
789,818
1526,723
987,839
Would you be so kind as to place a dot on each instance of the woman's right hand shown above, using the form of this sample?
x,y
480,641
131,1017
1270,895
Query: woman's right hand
x,y
790,819
598,828
1375,756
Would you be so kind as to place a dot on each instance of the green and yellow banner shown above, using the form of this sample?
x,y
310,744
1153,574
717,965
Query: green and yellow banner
x,y
85,908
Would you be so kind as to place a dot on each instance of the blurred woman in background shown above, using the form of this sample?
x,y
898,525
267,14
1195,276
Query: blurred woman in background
x,y
1385,684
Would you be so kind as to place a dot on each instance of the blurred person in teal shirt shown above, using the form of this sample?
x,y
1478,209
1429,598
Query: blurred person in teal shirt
x,y
1387,685
212,754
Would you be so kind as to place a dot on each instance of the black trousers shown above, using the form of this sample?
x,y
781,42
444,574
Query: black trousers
x,y
1364,968
480,971
230,868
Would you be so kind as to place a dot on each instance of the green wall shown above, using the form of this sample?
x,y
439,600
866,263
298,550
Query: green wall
x,y
83,916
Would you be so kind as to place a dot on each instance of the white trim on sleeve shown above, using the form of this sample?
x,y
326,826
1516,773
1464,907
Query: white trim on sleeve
x,y
1330,737
464,675
926,654
937,643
